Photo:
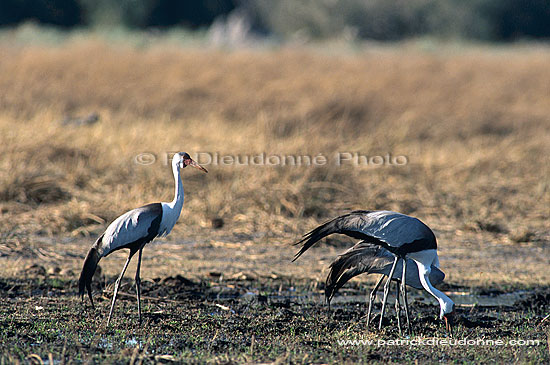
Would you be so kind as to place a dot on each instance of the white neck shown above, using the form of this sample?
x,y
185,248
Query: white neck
x,y
446,305
178,191
424,262
171,211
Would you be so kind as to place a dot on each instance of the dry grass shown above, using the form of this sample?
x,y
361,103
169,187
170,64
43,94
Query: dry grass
x,y
474,126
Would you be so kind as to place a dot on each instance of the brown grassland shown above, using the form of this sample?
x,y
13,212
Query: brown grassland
x,y
474,124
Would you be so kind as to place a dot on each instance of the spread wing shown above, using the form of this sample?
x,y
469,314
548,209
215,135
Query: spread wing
x,y
369,258
395,231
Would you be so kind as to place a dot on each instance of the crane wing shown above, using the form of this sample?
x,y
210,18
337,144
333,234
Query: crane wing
x,y
399,233
136,227
370,258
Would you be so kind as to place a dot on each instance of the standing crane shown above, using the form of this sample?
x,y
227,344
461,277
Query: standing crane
x,y
403,236
369,258
133,230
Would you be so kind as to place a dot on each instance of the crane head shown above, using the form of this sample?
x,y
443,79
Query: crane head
x,y
186,160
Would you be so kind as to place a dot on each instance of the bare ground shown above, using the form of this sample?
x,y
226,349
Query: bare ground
x,y
226,302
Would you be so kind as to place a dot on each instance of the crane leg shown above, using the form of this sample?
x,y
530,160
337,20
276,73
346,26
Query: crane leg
x,y
89,288
386,291
404,294
372,297
138,285
398,307
117,284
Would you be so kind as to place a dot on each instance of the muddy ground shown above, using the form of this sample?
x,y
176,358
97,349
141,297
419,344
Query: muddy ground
x,y
250,317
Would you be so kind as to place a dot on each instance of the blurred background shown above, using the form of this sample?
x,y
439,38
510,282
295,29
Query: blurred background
x,y
283,20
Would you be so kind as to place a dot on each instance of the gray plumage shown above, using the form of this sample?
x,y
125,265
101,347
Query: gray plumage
x,y
394,236
132,230
370,258
398,233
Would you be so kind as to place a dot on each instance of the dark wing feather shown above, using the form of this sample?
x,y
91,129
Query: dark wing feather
x,y
132,229
336,225
361,258
397,232
369,258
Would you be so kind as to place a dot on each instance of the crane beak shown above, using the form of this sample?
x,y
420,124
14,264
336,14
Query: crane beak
x,y
193,163
449,319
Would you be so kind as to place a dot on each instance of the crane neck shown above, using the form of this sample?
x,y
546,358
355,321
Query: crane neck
x,y
171,211
446,305
177,203
424,260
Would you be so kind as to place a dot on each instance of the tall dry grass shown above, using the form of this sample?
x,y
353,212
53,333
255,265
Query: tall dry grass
x,y
474,125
